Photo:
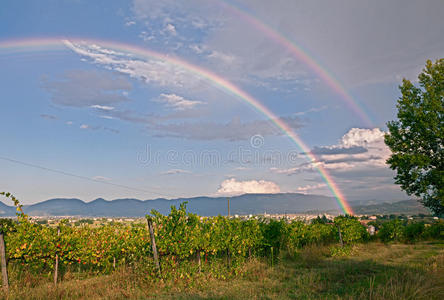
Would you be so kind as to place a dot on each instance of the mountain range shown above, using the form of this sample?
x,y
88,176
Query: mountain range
x,y
289,203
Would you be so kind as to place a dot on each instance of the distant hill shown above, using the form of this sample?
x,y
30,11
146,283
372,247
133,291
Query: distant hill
x,y
205,206
406,207
290,203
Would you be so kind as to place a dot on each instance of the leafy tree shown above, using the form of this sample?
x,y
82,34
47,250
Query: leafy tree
x,y
416,138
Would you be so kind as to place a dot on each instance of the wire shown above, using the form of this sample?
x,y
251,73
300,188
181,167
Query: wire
x,y
83,177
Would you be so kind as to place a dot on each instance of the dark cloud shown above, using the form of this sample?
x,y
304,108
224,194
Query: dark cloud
x,y
351,159
338,150
84,88
234,130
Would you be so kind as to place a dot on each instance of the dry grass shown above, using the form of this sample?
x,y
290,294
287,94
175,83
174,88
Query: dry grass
x,y
372,271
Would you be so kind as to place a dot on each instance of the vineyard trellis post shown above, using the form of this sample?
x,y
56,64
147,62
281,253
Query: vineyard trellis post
x,y
153,244
56,267
340,237
4,263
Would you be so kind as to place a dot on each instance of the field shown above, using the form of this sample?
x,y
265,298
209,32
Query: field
x,y
370,271
223,257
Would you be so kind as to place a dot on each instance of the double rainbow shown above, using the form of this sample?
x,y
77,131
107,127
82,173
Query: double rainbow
x,y
57,44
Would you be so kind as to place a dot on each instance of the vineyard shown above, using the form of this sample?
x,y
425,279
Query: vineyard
x,y
183,239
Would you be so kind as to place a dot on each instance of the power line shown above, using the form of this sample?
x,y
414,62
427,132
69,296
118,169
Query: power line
x,y
83,177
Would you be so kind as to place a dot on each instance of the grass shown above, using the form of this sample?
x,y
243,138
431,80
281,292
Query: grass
x,y
365,271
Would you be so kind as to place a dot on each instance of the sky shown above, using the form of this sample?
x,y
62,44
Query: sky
x,y
147,99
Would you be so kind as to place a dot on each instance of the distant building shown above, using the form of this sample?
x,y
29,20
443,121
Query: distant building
x,y
371,230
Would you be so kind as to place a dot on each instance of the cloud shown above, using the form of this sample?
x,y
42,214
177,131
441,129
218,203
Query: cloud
x,y
311,110
86,88
338,150
101,178
177,102
357,149
102,107
112,130
150,70
234,130
232,187
89,127
307,188
171,29
175,171
221,57
48,117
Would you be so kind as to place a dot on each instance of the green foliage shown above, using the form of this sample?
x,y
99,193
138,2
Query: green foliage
x,y
7,226
416,138
182,237
413,231
351,229
434,231
391,231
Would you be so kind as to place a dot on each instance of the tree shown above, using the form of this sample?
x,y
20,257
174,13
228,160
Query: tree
x,y
416,138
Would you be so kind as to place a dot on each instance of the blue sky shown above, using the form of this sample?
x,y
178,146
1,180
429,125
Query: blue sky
x,y
84,121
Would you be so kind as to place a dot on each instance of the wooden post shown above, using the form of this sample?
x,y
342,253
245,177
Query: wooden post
x,y
153,244
228,207
114,262
340,237
5,280
228,258
199,261
56,267
271,256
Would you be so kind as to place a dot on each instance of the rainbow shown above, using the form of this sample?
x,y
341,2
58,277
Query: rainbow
x,y
302,55
59,44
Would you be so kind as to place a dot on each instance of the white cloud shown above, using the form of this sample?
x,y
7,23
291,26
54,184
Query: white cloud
x,y
148,69
84,126
107,117
233,187
171,29
69,122
102,107
308,188
177,102
175,171
358,149
222,57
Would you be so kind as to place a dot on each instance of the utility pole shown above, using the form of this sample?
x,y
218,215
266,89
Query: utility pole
x,y
228,207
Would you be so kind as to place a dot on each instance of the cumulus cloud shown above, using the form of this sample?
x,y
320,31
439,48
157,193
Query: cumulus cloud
x,y
234,130
357,149
233,187
85,88
177,102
